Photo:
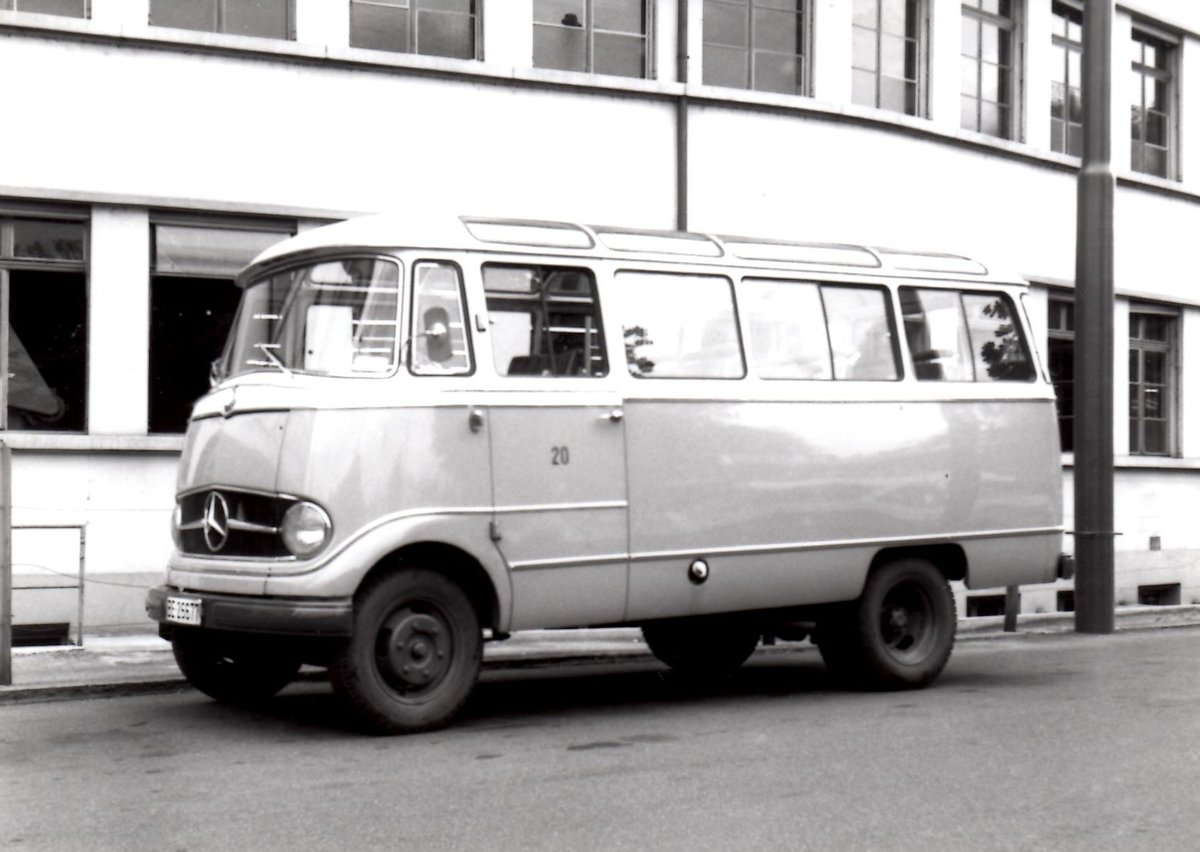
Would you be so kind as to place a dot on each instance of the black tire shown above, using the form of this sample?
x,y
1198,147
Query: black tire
x,y
231,669
702,645
415,653
898,635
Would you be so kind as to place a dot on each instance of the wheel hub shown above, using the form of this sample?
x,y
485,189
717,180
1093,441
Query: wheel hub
x,y
415,652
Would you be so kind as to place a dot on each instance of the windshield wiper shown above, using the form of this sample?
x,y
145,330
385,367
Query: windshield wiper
x,y
272,358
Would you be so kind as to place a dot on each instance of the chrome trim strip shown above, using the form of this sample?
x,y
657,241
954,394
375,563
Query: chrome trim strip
x,y
561,507
796,547
570,562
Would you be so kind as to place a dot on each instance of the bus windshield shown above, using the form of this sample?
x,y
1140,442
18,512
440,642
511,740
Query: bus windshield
x,y
334,317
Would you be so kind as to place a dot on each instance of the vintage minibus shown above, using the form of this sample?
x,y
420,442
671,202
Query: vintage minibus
x,y
424,435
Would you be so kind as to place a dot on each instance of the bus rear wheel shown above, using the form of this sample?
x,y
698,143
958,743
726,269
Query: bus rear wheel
x,y
898,634
415,653
702,646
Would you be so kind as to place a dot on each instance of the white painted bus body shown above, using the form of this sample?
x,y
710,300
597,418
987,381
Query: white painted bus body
x,y
586,500
786,488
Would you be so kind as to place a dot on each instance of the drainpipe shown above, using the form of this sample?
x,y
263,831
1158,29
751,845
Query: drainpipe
x,y
681,118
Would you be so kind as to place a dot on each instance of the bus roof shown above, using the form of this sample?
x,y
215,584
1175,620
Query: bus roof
x,y
475,233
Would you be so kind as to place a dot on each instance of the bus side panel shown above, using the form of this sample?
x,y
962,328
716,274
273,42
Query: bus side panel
x,y
821,484
992,563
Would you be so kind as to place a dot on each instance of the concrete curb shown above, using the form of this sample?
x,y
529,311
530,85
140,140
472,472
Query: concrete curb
x,y
142,664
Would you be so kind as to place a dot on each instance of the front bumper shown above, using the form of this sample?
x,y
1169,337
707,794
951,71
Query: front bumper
x,y
274,616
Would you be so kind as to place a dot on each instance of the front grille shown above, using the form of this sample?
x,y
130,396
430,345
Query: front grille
x,y
228,523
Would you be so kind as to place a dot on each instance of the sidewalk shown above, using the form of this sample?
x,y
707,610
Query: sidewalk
x,y
140,663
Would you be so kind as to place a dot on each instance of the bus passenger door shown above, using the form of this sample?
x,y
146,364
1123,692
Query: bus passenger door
x,y
558,473
558,448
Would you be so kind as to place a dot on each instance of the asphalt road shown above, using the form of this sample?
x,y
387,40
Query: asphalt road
x,y
1028,743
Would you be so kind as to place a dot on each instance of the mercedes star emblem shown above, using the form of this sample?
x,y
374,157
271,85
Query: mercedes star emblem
x,y
216,521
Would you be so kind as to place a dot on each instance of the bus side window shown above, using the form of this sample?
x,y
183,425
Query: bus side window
x,y
937,335
860,333
680,326
997,344
786,326
545,321
440,345
957,336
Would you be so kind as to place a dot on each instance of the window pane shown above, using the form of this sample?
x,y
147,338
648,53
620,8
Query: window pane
x,y
569,13
262,18
679,326
439,332
863,87
445,34
936,334
47,351
894,17
561,48
189,322
725,66
786,324
622,16
45,239
898,95
725,25
866,13
970,37
544,321
860,334
185,14
776,31
776,72
379,28
894,56
999,350
67,8
619,55
184,250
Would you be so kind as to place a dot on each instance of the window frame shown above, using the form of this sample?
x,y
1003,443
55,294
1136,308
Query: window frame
x,y
920,82
804,16
219,28
1064,337
649,71
15,6
411,48
284,228
1014,25
1073,15
9,263
1140,34
1138,348
408,323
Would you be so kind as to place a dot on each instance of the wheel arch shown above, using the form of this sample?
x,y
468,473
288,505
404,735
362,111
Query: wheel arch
x,y
451,562
949,559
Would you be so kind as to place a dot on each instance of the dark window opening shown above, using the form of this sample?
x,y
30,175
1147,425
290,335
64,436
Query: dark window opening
x,y
1066,600
47,351
1162,594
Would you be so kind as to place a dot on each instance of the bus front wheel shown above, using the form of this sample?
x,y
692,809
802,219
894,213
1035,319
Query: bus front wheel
x,y
898,634
414,655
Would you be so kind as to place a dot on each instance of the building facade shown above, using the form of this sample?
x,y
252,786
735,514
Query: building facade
x,y
154,146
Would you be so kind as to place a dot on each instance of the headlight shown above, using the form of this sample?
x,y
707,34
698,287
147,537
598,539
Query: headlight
x,y
305,529
176,523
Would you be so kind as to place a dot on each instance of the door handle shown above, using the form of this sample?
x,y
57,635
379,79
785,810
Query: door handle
x,y
614,416
475,419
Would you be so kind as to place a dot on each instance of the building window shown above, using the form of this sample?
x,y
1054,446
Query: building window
x,y
193,299
66,8
988,75
1159,594
756,44
42,275
427,27
1152,115
262,18
1066,82
887,54
600,36
1061,352
1151,385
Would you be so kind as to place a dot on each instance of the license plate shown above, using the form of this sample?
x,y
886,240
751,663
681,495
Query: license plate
x,y
183,611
